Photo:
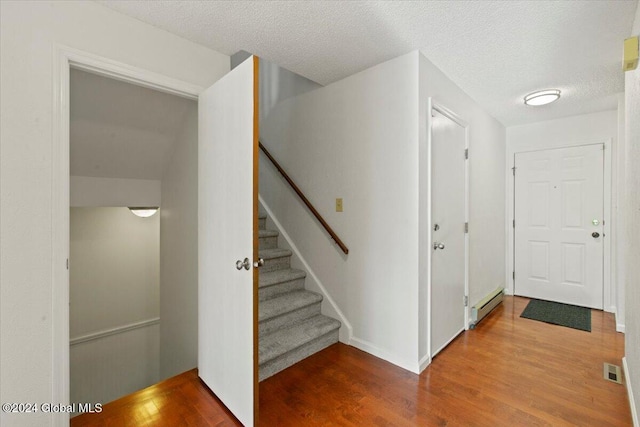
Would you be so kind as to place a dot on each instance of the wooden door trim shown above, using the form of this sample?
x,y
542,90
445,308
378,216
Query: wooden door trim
x,y
256,272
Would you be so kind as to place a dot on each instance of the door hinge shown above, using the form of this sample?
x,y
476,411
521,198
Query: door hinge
x,y
466,153
466,301
514,275
466,227
67,263
514,223
513,170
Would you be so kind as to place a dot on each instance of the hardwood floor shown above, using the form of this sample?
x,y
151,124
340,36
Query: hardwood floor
x,y
509,371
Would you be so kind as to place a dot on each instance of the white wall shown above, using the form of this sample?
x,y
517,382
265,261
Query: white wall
x,y
179,254
356,139
88,191
584,129
486,189
619,209
132,353
114,283
114,269
29,32
632,226
277,84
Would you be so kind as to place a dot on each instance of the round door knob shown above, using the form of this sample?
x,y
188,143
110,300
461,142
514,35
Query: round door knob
x,y
243,264
595,234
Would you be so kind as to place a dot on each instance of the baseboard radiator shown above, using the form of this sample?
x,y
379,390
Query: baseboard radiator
x,y
485,305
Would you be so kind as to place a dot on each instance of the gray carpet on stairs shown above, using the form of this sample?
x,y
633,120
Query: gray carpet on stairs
x,y
291,326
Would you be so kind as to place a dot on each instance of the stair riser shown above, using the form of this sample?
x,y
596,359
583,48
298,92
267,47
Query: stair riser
x,y
274,264
288,319
294,356
268,242
262,223
273,291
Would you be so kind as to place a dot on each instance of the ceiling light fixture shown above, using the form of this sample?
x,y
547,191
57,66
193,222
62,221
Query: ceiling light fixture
x,y
143,212
542,97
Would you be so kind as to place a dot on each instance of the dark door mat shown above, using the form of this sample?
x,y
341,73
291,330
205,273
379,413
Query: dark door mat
x,y
556,313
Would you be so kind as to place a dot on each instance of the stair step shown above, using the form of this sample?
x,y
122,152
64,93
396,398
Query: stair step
x,y
275,259
262,220
287,309
268,239
287,346
279,282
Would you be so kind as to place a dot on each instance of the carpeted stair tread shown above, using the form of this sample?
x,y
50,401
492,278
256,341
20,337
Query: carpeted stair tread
x,y
280,276
286,303
284,340
268,233
267,254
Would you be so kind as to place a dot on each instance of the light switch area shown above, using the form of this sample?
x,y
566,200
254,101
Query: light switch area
x,y
339,205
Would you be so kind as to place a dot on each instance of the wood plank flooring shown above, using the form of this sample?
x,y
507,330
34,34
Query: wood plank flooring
x,y
509,371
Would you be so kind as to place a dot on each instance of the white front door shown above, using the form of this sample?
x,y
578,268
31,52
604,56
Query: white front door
x,y
227,230
558,225
448,204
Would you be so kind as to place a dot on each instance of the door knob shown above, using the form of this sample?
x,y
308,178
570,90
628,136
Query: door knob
x,y
438,245
259,263
246,264
595,234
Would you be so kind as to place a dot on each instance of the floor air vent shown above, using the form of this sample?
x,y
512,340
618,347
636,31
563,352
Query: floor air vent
x,y
612,373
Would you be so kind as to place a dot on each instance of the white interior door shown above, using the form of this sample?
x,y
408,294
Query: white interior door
x,y
227,225
448,216
558,225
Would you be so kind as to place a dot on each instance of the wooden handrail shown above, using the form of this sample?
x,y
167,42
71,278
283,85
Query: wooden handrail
x,y
306,201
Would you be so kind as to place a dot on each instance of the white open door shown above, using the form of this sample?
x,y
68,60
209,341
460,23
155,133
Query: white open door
x,y
559,228
448,217
227,233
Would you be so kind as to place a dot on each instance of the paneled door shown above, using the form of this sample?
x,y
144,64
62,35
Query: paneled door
x,y
227,239
448,215
559,225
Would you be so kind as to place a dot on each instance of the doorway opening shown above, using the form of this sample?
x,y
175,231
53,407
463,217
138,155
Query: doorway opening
x,y
66,60
133,300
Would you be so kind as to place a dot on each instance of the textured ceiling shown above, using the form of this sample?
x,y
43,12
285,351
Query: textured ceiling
x,y
496,51
118,130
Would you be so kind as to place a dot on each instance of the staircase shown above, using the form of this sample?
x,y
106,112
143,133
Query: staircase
x,y
290,324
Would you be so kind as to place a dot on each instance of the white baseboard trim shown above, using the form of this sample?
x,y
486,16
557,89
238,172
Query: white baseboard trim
x,y
424,362
344,338
113,331
619,322
632,405
384,355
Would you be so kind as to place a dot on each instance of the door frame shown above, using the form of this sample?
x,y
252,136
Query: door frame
x,y
66,58
433,105
608,300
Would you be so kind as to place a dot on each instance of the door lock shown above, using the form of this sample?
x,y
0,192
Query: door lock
x,y
438,245
595,234
259,263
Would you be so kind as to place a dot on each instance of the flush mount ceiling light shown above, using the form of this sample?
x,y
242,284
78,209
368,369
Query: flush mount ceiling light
x,y
542,97
143,212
